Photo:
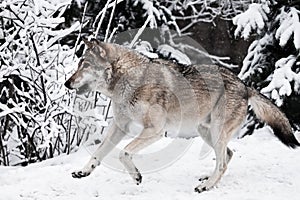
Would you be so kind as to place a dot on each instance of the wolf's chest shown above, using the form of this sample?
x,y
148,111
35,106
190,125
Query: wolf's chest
x,y
182,129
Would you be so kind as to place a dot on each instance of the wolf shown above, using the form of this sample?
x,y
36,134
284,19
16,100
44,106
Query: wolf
x,y
164,97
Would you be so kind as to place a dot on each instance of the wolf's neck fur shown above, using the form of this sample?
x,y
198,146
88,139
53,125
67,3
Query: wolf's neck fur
x,y
127,58
122,61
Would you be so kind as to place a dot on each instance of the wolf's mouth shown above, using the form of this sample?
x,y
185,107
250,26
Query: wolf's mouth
x,y
83,89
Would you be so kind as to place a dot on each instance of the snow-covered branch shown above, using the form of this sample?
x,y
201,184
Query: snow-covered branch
x,y
281,80
289,27
35,107
272,62
253,20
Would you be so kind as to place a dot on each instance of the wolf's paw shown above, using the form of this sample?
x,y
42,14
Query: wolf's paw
x,y
80,174
200,189
203,178
207,185
137,178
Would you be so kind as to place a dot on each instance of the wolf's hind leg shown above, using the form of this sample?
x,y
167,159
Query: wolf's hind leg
x,y
114,136
225,122
146,138
221,166
228,158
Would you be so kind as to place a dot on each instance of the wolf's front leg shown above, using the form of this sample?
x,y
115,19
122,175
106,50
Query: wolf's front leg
x,y
146,138
114,136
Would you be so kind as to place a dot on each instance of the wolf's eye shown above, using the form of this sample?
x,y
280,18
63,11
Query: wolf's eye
x,y
85,65
82,64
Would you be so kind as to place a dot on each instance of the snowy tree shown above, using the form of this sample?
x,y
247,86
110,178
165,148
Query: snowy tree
x,y
272,64
39,118
177,15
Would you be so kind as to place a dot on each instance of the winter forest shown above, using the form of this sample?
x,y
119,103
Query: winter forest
x,y
42,121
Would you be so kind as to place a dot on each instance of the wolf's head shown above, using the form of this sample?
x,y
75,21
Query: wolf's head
x,y
94,69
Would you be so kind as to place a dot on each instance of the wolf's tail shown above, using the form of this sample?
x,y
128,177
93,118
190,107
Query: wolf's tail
x,y
271,114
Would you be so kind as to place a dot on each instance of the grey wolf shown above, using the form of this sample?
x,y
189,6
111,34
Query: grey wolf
x,y
163,96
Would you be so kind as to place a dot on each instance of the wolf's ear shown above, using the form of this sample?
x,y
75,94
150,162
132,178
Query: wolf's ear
x,y
89,44
101,47
95,43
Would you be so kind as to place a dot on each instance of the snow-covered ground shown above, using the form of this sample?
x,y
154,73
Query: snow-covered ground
x,y
261,168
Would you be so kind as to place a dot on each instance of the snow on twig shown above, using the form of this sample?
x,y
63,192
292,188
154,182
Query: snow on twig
x,y
253,19
289,27
140,31
110,20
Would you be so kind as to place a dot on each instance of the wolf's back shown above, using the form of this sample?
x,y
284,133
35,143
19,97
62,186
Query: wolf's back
x,y
274,117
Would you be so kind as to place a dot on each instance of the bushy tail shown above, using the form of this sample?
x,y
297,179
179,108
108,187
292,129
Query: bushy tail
x,y
271,114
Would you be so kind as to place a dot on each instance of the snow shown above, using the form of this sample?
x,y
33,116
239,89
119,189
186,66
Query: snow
x,y
253,19
151,11
146,49
289,26
281,80
297,35
250,63
261,168
61,33
167,50
284,80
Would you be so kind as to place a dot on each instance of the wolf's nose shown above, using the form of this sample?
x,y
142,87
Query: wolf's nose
x,y
68,84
